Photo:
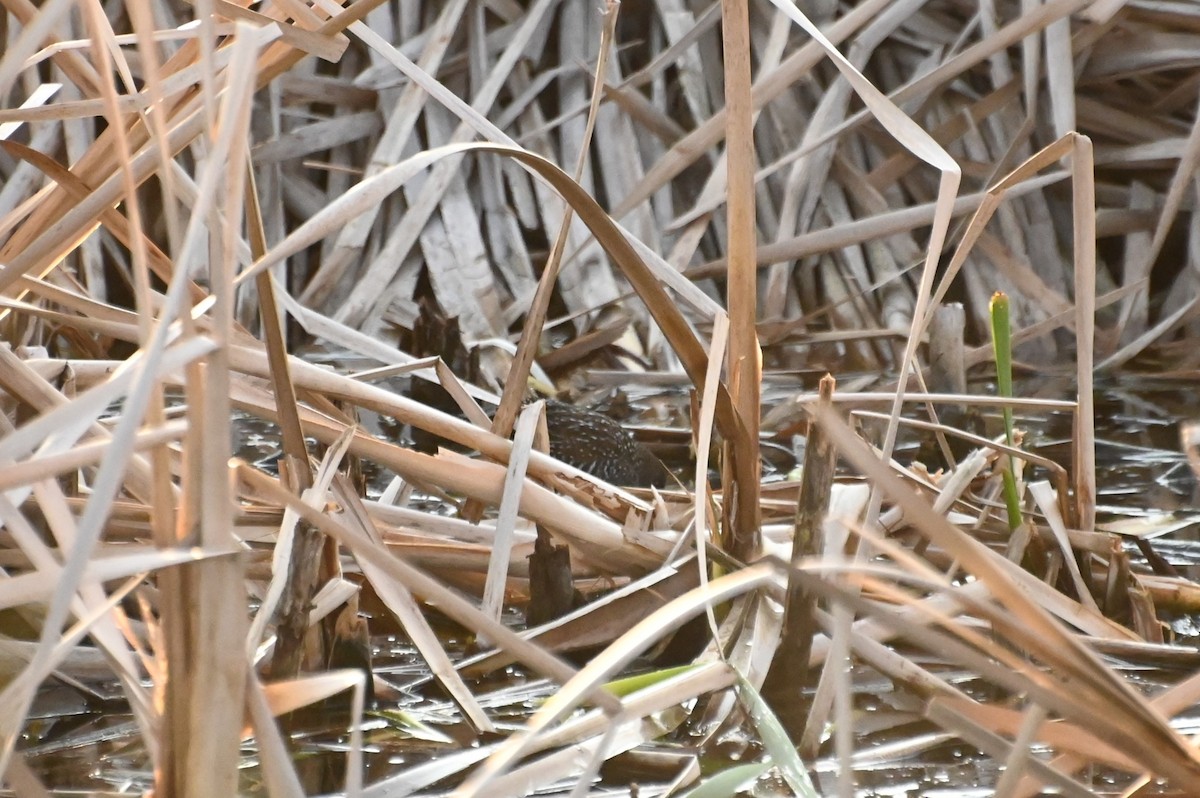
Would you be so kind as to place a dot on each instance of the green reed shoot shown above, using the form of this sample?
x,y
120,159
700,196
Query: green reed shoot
x,y
1002,351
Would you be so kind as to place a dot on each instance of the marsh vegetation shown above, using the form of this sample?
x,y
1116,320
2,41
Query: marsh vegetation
x,y
683,214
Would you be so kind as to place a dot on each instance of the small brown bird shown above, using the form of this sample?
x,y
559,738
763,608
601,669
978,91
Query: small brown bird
x,y
583,438
597,444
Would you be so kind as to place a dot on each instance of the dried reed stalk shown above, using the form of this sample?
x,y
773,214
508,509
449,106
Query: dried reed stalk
x,y
741,528
426,152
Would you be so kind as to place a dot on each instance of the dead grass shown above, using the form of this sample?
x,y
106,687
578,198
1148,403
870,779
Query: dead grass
x,y
178,199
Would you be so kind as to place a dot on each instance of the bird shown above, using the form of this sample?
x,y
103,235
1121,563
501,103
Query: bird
x,y
600,446
581,437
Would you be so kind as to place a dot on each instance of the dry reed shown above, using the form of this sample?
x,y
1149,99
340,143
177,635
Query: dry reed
x,y
188,187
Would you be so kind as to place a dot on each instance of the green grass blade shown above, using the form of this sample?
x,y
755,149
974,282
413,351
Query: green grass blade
x,y
631,684
779,746
728,782
1002,351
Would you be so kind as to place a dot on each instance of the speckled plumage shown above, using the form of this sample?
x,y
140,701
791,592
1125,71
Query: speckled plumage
x,y
597,444
583,438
